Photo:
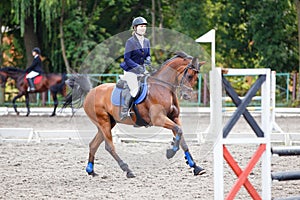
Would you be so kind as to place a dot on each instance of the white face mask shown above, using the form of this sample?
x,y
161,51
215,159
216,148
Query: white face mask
x,y
141,29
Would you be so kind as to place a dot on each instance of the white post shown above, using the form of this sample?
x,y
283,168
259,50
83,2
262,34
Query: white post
x,y
265,123
275,126
210,37
215,135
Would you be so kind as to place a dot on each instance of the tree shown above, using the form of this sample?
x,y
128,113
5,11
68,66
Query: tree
x,y
297,2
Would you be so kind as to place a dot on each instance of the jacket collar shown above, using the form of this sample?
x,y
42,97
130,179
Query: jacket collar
x,y
138,42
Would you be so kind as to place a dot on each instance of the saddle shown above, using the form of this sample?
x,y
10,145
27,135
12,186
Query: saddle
x,y
36,80
118,100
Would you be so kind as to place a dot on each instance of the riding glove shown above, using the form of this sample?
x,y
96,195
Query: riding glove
x,y
139,69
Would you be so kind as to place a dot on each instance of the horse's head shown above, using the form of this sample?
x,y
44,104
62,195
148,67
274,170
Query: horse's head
x,y
188,78
180,71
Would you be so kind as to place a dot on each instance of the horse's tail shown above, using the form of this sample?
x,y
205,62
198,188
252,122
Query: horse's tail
x,y
80,85
60,87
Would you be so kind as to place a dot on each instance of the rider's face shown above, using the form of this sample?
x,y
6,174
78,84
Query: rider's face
x,y
141,29
33,53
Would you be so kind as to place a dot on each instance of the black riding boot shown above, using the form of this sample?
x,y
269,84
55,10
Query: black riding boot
x,y
30,84
127,103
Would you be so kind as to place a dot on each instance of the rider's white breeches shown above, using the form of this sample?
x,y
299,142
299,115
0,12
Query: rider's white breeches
x,y
132,81
32,74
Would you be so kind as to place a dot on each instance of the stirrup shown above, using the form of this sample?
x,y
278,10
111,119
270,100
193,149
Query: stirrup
x,y
124,115
29,89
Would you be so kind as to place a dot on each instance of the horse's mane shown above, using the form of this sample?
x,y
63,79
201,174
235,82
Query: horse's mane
x,y
11,69
180,54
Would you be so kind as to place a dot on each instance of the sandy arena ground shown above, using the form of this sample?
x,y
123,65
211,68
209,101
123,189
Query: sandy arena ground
x,y
56,170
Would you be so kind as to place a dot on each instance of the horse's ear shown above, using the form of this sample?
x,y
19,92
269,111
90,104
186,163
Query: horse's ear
x,y
195,63
201,63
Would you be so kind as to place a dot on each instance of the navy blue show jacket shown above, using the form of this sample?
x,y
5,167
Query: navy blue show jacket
x,y
36,66
134,53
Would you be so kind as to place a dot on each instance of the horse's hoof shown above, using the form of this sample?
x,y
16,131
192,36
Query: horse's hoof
x,y
53,114
26,114
170,153
130,175
93,174
18,113
199,171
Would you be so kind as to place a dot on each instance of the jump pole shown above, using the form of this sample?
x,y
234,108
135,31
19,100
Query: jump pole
x,y
263,152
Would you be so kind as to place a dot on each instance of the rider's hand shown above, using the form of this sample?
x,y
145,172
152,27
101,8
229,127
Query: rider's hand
x,y
147,62
139,69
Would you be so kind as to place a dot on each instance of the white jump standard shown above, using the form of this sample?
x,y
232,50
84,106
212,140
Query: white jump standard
x,y
262,153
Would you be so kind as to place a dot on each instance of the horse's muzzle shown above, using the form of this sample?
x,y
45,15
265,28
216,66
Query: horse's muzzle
x,y
186,96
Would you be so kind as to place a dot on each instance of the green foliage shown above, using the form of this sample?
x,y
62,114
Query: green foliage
x,y
249,34
275,35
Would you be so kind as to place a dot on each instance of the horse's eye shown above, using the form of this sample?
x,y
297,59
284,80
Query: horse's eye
x,y
190,77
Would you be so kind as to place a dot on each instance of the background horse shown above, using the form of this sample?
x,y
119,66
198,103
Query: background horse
x,y
54,82
160,107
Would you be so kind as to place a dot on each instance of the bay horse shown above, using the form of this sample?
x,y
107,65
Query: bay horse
x,y
159,108
54,82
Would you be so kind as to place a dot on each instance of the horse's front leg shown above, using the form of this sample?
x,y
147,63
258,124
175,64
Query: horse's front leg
x,y
159,118
177,132
189,159
14,102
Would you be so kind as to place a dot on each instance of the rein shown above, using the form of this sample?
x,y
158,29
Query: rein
x,y
181,85
173,88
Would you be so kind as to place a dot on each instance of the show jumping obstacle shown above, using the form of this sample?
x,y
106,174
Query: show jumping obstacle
x,y
262,139
262,133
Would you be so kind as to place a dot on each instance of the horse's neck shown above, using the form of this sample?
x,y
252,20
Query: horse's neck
x,y
16,76
167,75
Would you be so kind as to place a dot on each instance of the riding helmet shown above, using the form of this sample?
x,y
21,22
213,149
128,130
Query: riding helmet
x,y
138,21
37,50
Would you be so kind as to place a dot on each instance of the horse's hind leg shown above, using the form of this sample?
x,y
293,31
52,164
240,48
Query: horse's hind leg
x,y
55,101
94,145
27,104
109,146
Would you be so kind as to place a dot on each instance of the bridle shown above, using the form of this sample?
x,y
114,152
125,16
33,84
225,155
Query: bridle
x,y
181,84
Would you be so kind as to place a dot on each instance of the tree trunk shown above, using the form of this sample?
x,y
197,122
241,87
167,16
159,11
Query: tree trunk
x,y
153,22
30,40
1,60
298,16
1,35
62,42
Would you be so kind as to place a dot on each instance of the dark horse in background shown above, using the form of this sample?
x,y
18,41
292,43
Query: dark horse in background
x,y
159,108
54,82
